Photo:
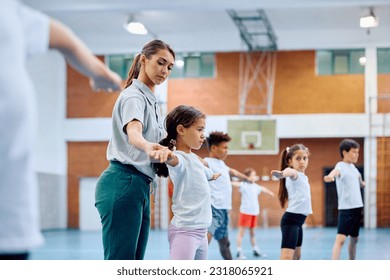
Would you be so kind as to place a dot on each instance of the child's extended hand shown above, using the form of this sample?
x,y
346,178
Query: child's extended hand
x,y
277,174
215,176
161,154
287,172
110,81
328,179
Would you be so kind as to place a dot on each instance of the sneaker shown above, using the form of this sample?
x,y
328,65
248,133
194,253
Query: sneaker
x,y
240,256
257,253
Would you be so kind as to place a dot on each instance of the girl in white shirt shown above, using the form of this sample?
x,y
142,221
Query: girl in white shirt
x,y
294,188
249,210
191,200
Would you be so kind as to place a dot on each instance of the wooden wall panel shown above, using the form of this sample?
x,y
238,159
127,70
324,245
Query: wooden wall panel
x,y
384,89
299,90
213,96
383,182
383,156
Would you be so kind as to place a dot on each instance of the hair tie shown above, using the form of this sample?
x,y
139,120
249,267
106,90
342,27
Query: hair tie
x,y
172,145
288,149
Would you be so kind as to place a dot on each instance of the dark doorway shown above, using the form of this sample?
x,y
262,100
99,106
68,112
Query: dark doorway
x,y
331,211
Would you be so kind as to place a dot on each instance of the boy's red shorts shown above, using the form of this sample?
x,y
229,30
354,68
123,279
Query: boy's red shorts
x,y
245,220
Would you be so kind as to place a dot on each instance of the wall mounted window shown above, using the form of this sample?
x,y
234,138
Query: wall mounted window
x,y
334,62
194,65
383,61
120,63
187,65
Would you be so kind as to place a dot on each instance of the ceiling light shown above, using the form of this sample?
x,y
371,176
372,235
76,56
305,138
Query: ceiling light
x,y
369,21
135,27
179,63
362,60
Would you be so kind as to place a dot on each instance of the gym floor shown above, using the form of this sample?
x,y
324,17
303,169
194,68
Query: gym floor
x,y
374,244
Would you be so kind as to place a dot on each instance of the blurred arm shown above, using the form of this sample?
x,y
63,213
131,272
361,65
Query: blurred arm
x,y
81,58
331,176
238,174
287,172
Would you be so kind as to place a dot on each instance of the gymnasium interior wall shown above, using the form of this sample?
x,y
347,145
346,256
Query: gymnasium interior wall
x,y
383,155
298,90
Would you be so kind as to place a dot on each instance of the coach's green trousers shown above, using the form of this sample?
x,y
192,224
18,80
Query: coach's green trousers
x,y
122,198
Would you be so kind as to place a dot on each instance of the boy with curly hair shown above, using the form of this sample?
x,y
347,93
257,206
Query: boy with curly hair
x,y
221,190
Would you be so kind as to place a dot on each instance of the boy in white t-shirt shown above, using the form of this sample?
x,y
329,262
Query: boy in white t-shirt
x,y
249,210
350,203
221,190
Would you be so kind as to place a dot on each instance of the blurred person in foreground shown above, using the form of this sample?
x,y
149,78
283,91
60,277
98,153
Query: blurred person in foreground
x,y
25,32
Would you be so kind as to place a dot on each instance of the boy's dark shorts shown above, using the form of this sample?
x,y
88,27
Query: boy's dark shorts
x,y
220,223
349,221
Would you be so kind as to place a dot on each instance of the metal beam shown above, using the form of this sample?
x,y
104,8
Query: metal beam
x,y
258,63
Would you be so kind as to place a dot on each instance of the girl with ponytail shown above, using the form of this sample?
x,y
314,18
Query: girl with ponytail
x,y
294,188
191,200
123,190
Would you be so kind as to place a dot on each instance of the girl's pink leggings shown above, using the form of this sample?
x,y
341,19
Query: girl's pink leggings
x,y
187,244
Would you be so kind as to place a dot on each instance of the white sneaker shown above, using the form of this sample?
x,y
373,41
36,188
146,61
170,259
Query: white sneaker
x,y
240,256
257,253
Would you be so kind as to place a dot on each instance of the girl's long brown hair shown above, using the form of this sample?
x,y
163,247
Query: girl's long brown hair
x,y
286,155
148,50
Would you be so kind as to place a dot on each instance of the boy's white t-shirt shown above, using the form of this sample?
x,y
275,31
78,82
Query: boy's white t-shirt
x,y
299,198
191,199
249,198
221,189
348,186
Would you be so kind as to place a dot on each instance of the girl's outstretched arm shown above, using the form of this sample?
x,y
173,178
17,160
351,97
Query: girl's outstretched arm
x,y
287,172
267,191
